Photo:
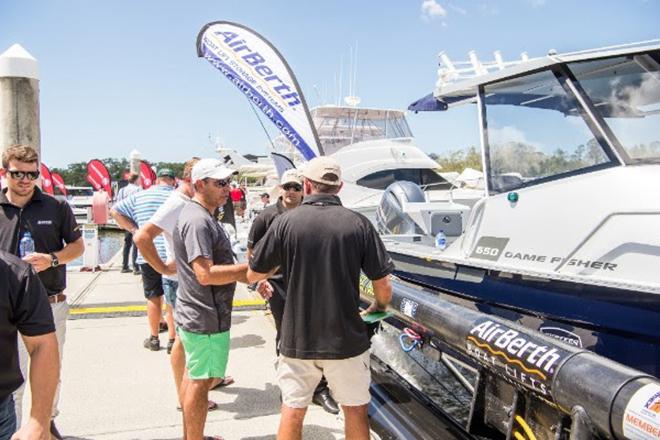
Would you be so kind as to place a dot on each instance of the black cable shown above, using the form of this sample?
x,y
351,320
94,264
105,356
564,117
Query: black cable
x,y
262,124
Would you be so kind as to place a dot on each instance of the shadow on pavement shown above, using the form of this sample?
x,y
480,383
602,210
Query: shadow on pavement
x,y
238,319
309,431
246,341
251,402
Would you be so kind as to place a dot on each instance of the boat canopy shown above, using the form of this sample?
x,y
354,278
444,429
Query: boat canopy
x,y
461,87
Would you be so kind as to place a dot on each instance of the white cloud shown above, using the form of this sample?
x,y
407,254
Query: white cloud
x,y
432,9
457,9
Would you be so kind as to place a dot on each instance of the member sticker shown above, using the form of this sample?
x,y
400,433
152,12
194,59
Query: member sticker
x,y
641,419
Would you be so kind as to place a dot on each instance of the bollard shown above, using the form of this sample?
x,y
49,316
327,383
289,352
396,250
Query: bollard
x,y
19,99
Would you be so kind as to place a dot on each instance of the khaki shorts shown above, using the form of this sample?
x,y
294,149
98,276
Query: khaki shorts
x,y
348,379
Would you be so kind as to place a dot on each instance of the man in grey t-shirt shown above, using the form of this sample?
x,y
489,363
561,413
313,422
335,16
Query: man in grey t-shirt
x,y
207,279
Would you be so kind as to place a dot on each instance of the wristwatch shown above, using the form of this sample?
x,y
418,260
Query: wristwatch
x,y
54,260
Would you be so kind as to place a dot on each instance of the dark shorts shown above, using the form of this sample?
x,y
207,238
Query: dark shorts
x,y
7,418
152,281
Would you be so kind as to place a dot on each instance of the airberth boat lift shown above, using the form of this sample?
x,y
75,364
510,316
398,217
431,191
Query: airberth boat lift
x,y
544,306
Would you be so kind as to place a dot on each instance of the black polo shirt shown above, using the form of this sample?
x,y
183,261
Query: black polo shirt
x,y
321,248
50,222
258,229
24,307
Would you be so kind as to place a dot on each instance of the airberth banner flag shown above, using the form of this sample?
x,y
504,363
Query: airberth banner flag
x,y
98,176
46,180
260,72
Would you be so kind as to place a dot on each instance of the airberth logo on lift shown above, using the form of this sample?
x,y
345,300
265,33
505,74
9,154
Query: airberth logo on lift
x,y
520,357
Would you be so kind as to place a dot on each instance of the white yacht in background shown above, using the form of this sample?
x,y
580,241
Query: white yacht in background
x,y
80,199
375,148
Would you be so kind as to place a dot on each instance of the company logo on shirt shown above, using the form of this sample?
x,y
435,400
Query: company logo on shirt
x,y
44,222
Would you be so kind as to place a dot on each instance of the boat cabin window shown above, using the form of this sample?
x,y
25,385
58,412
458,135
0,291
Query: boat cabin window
x,y
340,126
626,92
534,132
423,177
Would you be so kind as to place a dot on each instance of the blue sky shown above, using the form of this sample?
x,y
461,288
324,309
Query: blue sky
x,y
123,74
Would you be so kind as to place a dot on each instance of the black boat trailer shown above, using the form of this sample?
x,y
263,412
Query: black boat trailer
x,y
528,386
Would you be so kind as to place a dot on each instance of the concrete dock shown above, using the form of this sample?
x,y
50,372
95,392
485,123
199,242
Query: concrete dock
x,y
113,388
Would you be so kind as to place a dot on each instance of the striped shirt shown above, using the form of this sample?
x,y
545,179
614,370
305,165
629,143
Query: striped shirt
x,y
140,206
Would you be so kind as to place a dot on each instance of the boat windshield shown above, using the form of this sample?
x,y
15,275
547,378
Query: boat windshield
x,y
341,126
534,132
626,92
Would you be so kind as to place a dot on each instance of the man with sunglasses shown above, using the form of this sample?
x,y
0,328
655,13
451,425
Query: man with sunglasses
x,y
274,289
207,281
57,241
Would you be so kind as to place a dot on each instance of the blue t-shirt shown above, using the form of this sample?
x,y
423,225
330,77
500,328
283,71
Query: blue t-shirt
x,y
140,206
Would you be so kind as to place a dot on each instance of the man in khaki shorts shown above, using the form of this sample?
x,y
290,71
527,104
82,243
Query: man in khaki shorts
x,y
321,247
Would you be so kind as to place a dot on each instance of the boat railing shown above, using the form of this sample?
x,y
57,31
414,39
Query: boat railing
x,y
596,228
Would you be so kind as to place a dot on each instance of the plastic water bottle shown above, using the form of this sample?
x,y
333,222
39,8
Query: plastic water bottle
x,y
441,240
26,246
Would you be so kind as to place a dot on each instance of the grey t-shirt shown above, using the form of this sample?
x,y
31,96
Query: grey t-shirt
x,y
201,309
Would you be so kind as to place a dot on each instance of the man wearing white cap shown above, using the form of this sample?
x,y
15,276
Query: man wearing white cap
x,y
321,248
207,280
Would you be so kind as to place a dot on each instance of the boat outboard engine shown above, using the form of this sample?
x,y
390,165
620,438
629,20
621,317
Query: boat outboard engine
x,y
390,218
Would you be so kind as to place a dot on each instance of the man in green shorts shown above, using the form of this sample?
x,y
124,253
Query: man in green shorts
x,y
207,280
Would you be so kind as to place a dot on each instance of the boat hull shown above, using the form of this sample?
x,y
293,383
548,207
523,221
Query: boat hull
x,y
619,324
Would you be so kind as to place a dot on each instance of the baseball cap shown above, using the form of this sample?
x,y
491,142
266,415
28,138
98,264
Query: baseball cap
x,y
291,176
323,169
211,168
166,172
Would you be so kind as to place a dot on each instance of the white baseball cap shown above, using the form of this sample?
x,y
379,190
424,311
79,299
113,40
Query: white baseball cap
x,y
291,176
211,168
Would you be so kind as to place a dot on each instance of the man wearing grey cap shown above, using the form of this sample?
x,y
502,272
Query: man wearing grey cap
x,y
321,248
207,280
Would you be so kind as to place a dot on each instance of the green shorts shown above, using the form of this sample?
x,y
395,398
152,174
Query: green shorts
x,y
206,354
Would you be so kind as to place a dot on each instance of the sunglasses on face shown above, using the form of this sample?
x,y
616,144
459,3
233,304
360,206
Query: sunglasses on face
x,y
292,186
20,175
218,183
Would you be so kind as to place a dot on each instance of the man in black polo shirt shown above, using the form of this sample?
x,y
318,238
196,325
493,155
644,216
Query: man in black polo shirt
x,y
321,247
274,289
52,226
24,308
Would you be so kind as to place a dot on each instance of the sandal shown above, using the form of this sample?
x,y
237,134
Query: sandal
x,y
212,406
226,381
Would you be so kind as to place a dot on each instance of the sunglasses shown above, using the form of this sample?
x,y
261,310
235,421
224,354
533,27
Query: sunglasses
x,y
292,186
218,183
20,175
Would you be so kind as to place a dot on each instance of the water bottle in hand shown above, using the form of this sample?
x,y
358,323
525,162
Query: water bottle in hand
x,y
441,240
26,246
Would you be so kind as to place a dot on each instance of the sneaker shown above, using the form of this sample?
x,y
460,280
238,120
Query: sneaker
x,y
125,270
136,271
170,344
152,343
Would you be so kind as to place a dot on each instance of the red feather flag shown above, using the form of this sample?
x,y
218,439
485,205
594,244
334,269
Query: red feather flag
x,y
98,176
58,182
46,180
147,175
